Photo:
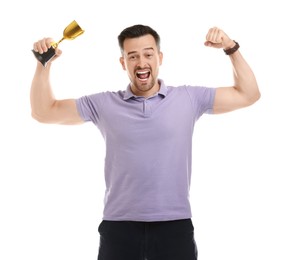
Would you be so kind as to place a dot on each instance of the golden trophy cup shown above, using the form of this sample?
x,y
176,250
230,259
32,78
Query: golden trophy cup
x,y
72,31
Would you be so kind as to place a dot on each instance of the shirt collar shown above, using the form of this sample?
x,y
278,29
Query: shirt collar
x,y
162,91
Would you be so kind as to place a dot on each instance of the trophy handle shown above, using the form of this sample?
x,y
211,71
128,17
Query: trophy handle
x,y
55,44
44,57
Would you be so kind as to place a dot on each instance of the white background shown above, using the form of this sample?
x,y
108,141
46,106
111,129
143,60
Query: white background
x,y
51,177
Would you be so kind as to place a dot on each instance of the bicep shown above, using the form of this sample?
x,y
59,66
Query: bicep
x,y
65,112
228,99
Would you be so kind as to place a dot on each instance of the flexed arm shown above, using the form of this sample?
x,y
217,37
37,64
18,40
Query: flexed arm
x,y
44,107
245,91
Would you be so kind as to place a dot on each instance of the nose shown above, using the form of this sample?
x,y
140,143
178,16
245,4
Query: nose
x,y
142,62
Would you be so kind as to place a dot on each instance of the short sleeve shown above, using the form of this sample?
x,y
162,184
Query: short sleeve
x,y
89,107
202,99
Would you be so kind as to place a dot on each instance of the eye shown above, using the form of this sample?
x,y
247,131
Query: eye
x,y
132,57
149,55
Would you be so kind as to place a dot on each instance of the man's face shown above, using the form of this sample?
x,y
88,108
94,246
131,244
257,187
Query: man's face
x,y
141,59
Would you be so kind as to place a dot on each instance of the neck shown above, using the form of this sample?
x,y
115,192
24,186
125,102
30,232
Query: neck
x,y
145,92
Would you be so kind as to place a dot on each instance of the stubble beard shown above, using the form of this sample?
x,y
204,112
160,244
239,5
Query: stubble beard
x,y
144,87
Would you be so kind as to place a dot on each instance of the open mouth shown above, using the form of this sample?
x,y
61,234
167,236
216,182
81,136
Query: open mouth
x,y
143,75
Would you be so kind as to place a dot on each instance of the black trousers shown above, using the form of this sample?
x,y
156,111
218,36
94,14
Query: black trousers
x,y
133,240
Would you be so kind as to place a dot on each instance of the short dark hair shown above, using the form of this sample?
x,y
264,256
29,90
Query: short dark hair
x,y
136,31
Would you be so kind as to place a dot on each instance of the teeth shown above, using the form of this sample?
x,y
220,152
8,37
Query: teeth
x,y
143,80
142,72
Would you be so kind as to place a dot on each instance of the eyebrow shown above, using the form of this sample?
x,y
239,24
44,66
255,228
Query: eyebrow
x,y
146,49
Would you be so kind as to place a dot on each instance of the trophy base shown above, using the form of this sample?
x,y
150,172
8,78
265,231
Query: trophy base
x,y
44,57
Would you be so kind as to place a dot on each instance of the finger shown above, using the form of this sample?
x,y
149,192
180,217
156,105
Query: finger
x,y
214,35
217,36
58,52
35,47
42,45
208,36
208,44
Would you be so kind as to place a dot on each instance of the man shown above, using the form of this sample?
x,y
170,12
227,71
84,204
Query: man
x,y
148,130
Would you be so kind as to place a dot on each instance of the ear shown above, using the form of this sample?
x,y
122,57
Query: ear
x,y
122,62
160,57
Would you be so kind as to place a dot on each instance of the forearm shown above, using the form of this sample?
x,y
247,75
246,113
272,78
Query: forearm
x,y
244,78
41,95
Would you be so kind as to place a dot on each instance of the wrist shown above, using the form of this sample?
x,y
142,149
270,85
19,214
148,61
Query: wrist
x,y
233,48
229,44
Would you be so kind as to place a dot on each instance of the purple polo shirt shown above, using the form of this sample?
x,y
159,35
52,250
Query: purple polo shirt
x,y
148,149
